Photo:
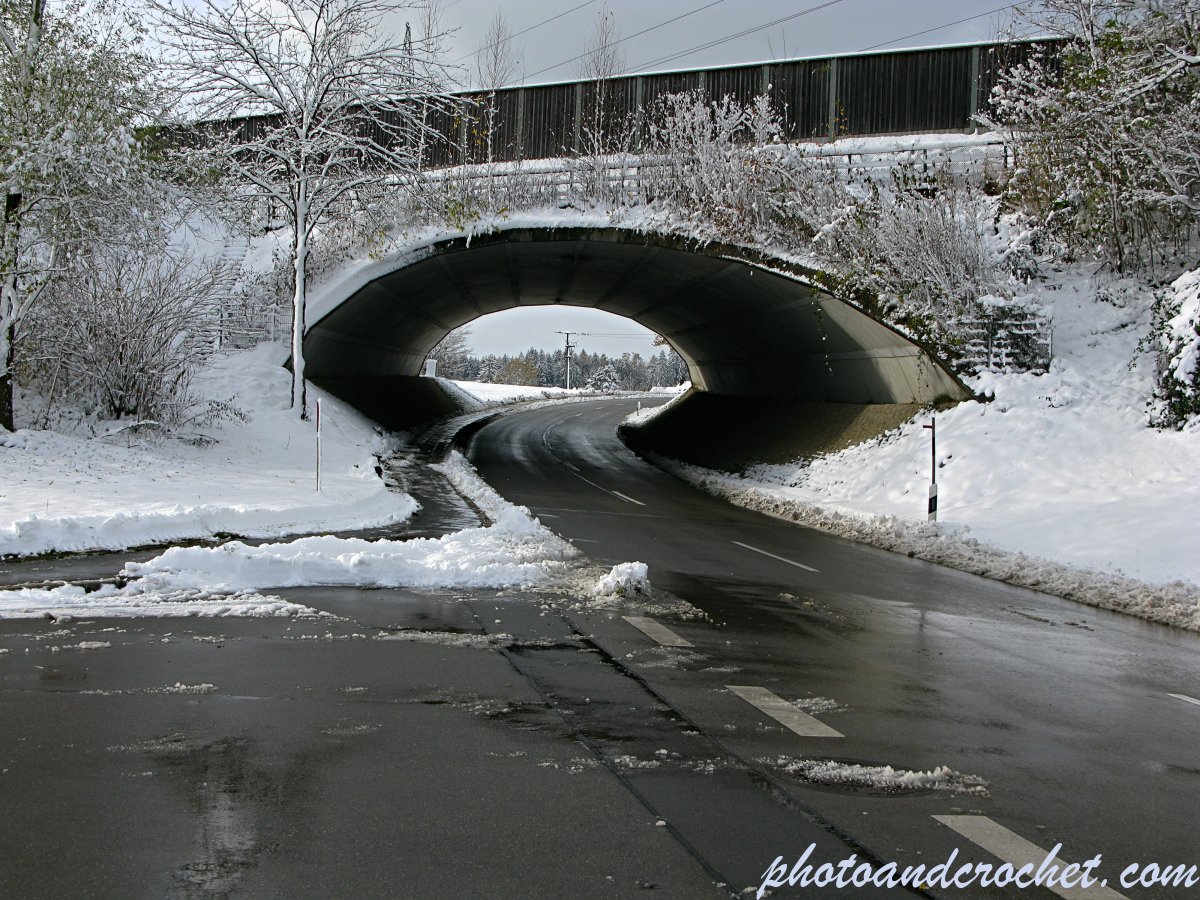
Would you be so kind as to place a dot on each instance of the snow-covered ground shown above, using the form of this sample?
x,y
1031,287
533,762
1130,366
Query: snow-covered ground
x,y
64,493
1057,483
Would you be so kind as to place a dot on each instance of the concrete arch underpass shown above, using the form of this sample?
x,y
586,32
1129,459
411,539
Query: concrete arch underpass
x,y
748,325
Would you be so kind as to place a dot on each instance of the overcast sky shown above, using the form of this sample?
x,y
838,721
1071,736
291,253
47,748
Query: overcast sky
x,y
844,26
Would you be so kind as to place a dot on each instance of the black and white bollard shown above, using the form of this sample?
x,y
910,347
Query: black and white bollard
x,y
318,445
932,426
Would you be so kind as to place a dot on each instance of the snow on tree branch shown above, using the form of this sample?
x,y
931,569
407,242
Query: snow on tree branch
x,y
309,103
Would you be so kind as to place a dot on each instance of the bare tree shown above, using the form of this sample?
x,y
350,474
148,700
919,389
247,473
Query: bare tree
x,y
497,61
497,64
603,59
602,56
72,91
338,106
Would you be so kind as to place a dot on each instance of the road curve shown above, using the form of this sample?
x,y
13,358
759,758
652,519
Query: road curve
x,y
1076,717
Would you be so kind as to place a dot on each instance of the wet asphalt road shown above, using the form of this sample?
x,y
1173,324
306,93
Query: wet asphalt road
x,y
525,748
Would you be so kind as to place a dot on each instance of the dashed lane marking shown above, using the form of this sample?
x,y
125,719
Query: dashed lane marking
x,y
1012,848
780,558
783,712
658,632
597,512
1185,698
626,497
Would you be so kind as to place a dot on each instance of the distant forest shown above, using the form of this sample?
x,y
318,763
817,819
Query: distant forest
x,y
629,372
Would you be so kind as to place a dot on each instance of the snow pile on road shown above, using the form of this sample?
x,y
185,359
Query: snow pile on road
x,y
624,579
884,778
516,550
1057,484
137,600
513,552
255,478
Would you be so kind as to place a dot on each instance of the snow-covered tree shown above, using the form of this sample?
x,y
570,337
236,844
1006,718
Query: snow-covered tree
x,y
453,353
73,90
606,379
125,331
328,107
1107,128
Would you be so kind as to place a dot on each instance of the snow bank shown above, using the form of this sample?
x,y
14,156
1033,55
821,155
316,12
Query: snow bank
x,y
64,493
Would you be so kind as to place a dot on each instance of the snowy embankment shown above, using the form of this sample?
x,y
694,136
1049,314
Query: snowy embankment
x,y
64,493
515,551
1057,484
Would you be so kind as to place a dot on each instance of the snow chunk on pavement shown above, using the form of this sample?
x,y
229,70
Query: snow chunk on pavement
x,y
885,778
625,578
136,600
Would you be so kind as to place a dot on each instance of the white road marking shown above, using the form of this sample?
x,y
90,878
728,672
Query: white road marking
x,y
783,712
780,558
1185,698
1012,848
575,471
659,632
630,499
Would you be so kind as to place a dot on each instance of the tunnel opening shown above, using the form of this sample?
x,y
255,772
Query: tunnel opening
x,y
756,331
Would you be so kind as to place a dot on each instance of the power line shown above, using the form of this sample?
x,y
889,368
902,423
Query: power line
x,y
632,36
519,33
734,37
938,28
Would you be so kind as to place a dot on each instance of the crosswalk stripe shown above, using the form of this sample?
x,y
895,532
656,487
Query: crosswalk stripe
x,y
658,632
783,712
1012,848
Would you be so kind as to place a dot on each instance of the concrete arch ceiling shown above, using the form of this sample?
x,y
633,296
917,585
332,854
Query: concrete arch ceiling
x,y
748,325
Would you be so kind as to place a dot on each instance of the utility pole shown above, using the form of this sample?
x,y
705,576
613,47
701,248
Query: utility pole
x,y
570,347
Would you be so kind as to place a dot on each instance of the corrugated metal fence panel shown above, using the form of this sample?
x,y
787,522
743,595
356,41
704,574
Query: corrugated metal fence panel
x,y
609,109
549,121
441,147
800,96
743,84
903,92
881,93
654,86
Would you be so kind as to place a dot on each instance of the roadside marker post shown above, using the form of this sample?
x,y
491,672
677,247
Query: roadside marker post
x,y
318,445
932,426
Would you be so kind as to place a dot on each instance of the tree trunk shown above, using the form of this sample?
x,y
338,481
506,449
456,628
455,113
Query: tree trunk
x,y
6,386
298,300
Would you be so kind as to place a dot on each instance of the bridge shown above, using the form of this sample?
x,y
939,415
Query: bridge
x,y
757,332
